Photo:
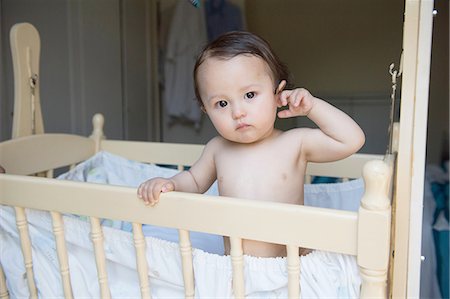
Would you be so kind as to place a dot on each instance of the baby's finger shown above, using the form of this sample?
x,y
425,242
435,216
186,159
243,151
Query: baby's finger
x,y
294,99
139,191
284,97
167,187
155,193
285,113
142,193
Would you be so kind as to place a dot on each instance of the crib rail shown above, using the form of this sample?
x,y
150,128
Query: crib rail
x,y
38,153
221,214
170,153
154,152
349,168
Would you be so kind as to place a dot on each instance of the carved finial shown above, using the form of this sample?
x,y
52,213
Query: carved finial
x,y
97,133
377,176
98,121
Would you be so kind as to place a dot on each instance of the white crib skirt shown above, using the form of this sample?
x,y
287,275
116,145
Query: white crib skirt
x,y
323,274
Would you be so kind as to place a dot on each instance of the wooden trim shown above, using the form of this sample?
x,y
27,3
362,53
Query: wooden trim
x,y
411,148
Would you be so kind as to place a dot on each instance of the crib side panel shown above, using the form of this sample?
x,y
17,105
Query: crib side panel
x,y
37,153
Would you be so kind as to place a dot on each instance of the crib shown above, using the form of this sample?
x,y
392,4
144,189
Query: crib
x,y
368,234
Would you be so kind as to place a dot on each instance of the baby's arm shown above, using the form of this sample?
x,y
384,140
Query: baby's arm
x,y
195,180
338,135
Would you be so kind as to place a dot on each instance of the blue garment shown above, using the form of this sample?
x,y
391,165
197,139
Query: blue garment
x,y
222,16
441,234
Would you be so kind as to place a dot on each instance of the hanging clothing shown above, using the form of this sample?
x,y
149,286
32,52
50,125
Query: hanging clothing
x,y
222,16
187,36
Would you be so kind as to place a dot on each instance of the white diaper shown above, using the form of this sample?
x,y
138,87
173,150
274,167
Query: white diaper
x,y
323,275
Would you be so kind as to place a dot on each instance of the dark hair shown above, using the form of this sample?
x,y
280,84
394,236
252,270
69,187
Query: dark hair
x,y
234,43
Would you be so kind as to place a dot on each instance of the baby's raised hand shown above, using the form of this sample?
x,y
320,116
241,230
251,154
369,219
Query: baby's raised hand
x,y
150,190
299,102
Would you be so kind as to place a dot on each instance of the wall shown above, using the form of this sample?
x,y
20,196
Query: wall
x,y
339,51
95,57
438,110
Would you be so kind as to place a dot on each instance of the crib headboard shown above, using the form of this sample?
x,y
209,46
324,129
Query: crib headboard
x,y
26,49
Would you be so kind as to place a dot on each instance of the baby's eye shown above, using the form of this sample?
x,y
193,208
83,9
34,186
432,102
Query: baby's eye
x,y
222,103
250,95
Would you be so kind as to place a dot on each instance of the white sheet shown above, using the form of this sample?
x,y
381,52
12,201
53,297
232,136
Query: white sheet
x,y
323,275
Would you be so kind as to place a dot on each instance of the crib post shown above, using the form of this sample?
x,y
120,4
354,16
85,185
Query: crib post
x,y
293,267
237,260
97,133
186,260
25,243
141,261
58,232
3,288
97,239
374,222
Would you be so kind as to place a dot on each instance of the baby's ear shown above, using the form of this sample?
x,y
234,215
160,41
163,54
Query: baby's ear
x,y
281,86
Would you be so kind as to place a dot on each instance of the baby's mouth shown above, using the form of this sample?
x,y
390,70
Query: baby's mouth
x,y
242,126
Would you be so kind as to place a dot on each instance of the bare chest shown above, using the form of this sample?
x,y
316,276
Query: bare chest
x,y
261,174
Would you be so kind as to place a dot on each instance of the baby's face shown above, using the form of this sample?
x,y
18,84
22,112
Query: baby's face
x,y
238,96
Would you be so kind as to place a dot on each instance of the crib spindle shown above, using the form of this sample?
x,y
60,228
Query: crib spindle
x,y
141,260
186,260
237,260
293,268
97,240
22,226
308,179
3,288
49,174
58,231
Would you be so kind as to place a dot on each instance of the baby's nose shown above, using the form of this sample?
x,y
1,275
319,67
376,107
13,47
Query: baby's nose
x,y
238,112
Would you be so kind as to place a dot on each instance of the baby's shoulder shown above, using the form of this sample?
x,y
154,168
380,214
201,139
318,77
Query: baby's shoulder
x,y
294,134
217,143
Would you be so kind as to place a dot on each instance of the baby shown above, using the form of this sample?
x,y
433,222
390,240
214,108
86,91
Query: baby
x,y
239,84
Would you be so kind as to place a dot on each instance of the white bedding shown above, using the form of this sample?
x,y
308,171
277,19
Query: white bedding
x,y
323,275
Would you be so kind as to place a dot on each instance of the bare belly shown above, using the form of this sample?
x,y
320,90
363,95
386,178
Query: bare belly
x,y
262,249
